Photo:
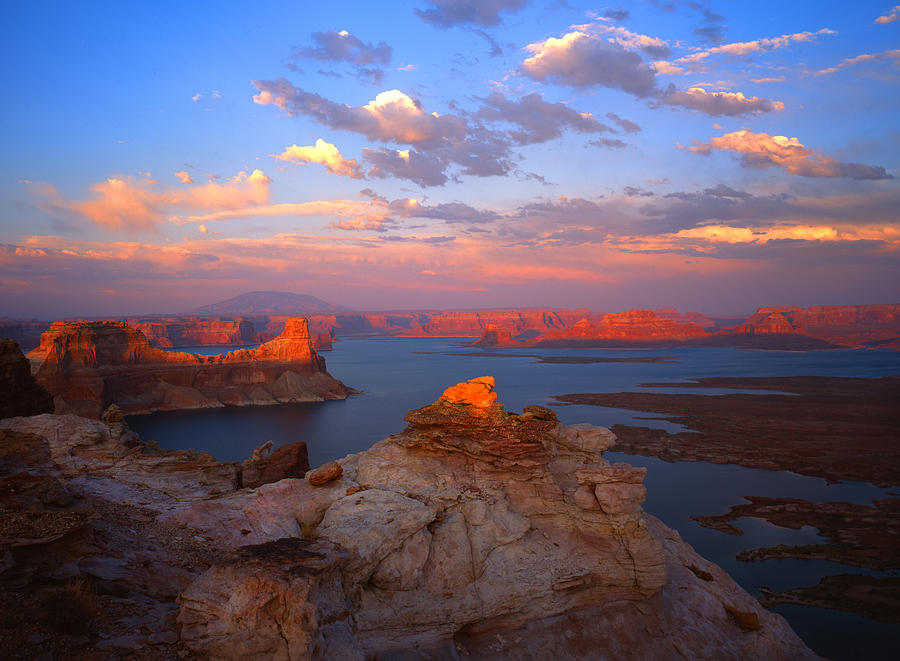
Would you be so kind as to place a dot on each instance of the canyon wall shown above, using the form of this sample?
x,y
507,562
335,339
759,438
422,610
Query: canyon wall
x,y
88,365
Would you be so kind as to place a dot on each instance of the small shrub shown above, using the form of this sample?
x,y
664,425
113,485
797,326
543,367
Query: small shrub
x,y
71,608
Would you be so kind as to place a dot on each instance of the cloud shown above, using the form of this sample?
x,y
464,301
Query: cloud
x,y
538,121
717,103
713,25
184,177
625,124
755,46
391,117
892,54
580,59
334,46
484,13
653,47
890,17
616,14
436,143
449,212
773,79
141,204
326,154
341,46
421,168
761,150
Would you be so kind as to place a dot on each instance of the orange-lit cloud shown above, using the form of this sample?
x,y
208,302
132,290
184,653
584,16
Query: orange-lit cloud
x,y
890,17
184,177
761,150
141,204
326,154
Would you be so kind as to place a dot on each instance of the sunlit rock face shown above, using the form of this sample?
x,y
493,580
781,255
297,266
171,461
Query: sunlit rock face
x,y
474,532
88,365
632,326
194,332
495,336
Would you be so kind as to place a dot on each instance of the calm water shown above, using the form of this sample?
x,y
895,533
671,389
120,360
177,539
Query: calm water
x,y
397,375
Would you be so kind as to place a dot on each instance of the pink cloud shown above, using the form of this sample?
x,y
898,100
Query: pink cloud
x,y
761,150
139,205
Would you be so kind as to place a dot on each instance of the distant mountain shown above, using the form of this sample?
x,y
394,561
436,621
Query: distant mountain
x,y
270,303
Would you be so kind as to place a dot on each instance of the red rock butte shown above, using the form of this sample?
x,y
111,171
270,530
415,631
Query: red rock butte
x,y
88,365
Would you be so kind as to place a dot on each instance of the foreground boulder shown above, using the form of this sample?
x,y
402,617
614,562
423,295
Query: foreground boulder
x,y
88,365
474,533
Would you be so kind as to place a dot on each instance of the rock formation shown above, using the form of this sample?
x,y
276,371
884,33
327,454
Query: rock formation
x,y
475,532
19,393
494,336
88,365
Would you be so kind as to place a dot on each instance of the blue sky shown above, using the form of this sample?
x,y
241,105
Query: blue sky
x,y
714,155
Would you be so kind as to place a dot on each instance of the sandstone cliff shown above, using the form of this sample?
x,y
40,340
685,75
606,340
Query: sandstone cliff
x,y
19,392
842,325
167,332
88,365
632,327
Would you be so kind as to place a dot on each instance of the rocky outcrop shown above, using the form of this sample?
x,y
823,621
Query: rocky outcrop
x,y
473,532
265,466
842,325
494,337
19,392
88,365
632,327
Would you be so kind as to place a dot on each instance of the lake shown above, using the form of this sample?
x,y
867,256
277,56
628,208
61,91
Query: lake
x,y
400,374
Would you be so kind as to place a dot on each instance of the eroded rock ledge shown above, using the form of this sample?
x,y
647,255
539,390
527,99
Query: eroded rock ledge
x,y
474,533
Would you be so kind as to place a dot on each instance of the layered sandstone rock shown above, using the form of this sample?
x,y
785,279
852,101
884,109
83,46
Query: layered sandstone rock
x,y
474,532
170,332
88,365
690,316
842,325
466,323
19,392
494,336
634,326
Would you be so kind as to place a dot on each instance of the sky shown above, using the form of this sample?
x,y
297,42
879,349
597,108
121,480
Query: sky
x,y
712,155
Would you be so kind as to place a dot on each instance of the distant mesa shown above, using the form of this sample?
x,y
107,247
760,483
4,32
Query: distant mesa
x,y
271,303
